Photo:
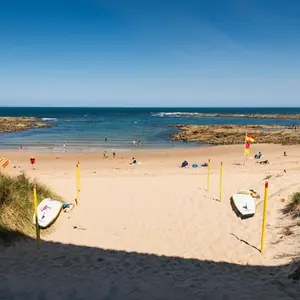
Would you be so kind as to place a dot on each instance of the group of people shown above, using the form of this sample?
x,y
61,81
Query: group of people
x,y
133,142
139,143
185,164
295,127
106,156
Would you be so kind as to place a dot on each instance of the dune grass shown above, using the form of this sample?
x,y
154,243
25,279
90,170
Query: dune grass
x,y
294,205
296,200
293,208
16,206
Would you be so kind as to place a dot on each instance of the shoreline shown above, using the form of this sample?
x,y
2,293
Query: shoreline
x,y
100,148
200,153
74,150
100,151
83,137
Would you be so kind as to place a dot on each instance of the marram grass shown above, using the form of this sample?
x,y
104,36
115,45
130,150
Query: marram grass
x,y
296,200
17,207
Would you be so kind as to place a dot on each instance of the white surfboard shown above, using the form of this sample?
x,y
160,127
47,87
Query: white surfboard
x,y
47,211
245,204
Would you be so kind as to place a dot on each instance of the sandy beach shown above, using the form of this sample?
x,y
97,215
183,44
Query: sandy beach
x,y
153,231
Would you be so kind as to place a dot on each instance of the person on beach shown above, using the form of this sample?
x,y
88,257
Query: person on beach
x,y
32,161
114,154
104,154
258,156
263,162
134,162
185,164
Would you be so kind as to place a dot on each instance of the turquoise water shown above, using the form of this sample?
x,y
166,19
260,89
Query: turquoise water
x,y
85,129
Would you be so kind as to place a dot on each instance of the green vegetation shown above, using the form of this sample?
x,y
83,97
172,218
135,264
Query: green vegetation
x,y
287,231
296,201
16,206
293,208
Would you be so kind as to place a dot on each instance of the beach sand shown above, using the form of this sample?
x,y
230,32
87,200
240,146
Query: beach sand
x,y
153,231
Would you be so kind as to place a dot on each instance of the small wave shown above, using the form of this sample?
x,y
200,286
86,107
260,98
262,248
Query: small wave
x,y
49,119
174,114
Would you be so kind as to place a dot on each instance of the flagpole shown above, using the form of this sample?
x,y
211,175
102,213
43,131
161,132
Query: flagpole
x,y
245,148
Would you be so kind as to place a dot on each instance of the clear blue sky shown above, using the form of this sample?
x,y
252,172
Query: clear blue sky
x,y
150,53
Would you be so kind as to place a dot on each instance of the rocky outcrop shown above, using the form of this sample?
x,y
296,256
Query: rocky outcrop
x,y
13,124
235,134
224,115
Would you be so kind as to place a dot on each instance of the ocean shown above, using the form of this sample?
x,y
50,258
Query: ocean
x,y
92,129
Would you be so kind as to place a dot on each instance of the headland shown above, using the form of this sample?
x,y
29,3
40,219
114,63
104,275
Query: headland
x,y
14,124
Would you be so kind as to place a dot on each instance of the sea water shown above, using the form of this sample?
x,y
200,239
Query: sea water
x,y
93,129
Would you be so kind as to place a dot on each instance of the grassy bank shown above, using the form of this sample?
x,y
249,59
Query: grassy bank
x,y
16,206
293,208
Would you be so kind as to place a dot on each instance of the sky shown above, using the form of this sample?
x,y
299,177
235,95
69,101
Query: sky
x,y
150,53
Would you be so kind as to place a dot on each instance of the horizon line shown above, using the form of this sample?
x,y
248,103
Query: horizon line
x,y
23,106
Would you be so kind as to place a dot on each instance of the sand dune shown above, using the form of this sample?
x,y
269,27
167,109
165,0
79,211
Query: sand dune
x,y
154,232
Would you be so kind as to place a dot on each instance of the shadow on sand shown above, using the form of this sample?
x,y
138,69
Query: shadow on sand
x,y
245,242
65,271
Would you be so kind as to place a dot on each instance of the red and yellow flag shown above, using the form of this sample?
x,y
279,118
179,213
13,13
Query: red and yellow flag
x,y
247,148
250,138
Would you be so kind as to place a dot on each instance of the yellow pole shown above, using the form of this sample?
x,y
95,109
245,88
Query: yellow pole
x,y
37,229
221,182
245,148
77,184
262,242
208,176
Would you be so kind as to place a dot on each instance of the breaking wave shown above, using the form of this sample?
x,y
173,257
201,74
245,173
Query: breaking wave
x,y
49,119
175,114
